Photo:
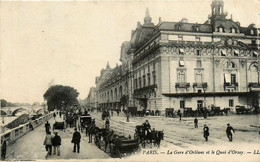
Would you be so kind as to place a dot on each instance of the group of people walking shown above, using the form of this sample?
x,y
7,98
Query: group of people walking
x,y
51,141
229,130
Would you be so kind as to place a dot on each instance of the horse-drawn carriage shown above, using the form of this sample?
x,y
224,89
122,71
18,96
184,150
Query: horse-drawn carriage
x,y
59,125
123,146
118,146
148,136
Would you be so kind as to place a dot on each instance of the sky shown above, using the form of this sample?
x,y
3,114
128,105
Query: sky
x,y
68,43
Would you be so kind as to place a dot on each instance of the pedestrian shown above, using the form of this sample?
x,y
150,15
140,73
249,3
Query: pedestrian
x,y
76,140
48,142
196,122
107,124
117,111
56,142
229,132
112,112
60,113
30,124
47,127
3,149
179,113
206,132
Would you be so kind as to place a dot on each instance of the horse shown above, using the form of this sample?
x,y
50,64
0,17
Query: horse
x,y
91,130
159,136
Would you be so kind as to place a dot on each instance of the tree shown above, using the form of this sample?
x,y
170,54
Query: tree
x,y
123,101
59,96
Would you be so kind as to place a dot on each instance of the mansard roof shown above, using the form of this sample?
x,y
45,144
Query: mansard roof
x,y
186,27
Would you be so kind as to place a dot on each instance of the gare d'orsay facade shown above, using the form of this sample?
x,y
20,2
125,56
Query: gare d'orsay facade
x,y
182,64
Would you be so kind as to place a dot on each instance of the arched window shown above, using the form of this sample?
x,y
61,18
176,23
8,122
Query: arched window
x,y
232,65
253,74
111,93
115,94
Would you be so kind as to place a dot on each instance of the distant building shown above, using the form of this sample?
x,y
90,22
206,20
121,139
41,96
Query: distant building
x,y
181,64
91,99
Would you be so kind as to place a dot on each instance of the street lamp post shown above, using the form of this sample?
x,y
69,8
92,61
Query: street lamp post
x,y
204,102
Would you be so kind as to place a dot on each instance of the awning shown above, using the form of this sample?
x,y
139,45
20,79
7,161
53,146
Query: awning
x,y
181,63
227,78
181,50
223,52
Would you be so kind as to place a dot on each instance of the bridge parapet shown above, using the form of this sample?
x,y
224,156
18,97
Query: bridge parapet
x,y
15,133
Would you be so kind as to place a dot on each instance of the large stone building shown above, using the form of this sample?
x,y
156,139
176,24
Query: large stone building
x,y
182,64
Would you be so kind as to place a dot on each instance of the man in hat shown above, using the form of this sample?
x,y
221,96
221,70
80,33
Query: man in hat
x,y
47,127
196,123
56,142
76,140
229,133
147,126
206,132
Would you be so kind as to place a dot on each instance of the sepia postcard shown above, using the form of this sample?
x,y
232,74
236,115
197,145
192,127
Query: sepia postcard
x,y
136,80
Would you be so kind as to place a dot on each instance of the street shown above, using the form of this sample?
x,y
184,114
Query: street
x,y
30,146
183,134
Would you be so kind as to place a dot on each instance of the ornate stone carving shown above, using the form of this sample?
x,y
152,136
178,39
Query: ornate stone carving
x,y
217,61
242,62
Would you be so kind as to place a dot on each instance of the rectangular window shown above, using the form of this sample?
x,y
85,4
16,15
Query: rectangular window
x,y
182,104
199,103
144,81
233,78
154,79
198,78
198,63
231,103
181,78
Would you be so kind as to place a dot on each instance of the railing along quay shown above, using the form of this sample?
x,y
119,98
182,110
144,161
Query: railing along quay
x,y
13,134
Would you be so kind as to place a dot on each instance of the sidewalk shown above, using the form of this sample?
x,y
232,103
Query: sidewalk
x,y
30,146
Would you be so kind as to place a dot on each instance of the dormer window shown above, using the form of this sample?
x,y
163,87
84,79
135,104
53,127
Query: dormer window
x,y
181,63
181,51
178,27
223,53
221,29
236,52
252,32
255,54
196,28
232,30
198,52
